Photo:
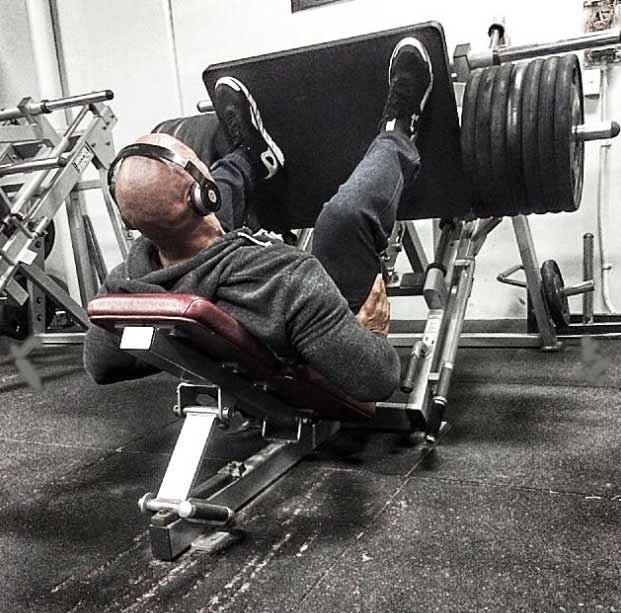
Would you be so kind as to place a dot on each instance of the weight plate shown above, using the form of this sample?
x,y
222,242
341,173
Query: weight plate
x,y
545,130
468,128
498,127
530,140
554,294
483,144
568,114
515,174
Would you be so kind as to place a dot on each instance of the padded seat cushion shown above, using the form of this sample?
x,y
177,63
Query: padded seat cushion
x,y
222,338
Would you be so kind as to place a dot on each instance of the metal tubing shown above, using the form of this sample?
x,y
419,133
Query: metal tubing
x,y
502,55
603,196
418,351
47,106
32,165
587,275
598,131
200,509
582,288
30,189
505,277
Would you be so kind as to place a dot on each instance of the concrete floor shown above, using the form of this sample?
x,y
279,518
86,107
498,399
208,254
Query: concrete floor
x,y
518,509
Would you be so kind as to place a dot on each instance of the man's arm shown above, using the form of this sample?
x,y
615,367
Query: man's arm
x,y
103,359
328,336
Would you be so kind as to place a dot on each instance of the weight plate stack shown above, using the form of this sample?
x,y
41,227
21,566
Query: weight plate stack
x,y
518,137
501,192
569,152
468,129
515,170
530,137
545,135
483,141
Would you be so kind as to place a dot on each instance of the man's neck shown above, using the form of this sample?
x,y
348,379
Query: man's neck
x,y
184,248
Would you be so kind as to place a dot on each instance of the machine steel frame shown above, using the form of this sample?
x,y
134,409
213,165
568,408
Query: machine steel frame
x,y
40,168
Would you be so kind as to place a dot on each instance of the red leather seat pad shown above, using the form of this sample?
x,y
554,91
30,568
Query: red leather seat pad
x,y
218,335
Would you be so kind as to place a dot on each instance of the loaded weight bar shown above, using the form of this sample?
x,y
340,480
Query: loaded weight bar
x,y
554,291
556,294
465,60
523,137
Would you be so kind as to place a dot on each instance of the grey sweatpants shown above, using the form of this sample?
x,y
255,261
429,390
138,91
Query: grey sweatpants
x,y
354,225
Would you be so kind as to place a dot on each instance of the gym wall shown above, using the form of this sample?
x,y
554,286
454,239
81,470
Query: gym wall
x,y
151,53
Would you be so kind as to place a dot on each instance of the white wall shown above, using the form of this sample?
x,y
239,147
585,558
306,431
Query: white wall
x,y
240,28
131,48
18,77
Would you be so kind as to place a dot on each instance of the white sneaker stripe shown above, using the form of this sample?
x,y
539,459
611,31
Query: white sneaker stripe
x,y
257,122
414,42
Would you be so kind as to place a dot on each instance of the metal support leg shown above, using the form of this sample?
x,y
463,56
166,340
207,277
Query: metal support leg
x,y
526,246
37,300
86,278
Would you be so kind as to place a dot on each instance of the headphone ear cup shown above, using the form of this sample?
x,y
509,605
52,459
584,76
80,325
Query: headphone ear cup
x,y
195,198
204,199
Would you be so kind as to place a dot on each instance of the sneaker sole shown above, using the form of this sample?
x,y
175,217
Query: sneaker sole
x,y
257,122
414,42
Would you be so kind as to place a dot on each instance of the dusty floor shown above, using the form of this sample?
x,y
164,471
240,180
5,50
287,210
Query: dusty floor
x,y
518,509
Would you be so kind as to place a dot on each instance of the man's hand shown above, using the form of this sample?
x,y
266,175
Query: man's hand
x,y
374,314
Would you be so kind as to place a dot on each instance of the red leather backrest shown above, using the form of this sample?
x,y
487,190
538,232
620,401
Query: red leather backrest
x,y
224,339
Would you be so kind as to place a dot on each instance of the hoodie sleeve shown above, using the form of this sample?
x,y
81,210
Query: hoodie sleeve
x,y
325,332
103,359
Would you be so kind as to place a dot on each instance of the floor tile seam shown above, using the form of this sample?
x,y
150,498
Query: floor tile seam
x,y
361,470
49,444
571,385
518,487
147,434
362,532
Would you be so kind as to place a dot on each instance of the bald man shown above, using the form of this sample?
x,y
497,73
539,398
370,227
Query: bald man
x,y
328,309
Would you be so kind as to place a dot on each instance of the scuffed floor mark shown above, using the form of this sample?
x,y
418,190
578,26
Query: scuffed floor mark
x,y
137,543
162,583
224,600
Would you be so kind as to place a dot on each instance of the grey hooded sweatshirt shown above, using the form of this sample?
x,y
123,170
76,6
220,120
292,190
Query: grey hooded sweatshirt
x,y
283,296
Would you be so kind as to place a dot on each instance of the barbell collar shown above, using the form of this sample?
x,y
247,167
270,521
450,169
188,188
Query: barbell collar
x,y
501,55
597,131
580,288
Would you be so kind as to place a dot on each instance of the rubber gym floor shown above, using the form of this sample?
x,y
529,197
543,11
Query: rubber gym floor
x,y
517,509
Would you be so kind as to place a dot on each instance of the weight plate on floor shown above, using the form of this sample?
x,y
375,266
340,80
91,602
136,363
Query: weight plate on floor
x,y
483,143
468,128
515,174
530,139
498,127
554,293
545,130
569,152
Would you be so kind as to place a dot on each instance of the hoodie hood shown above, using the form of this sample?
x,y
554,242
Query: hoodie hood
x,y
205,269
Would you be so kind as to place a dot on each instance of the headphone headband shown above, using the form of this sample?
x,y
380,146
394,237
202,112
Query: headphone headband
x,y
204,195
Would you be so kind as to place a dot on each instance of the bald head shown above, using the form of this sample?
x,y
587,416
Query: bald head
x,y
152,195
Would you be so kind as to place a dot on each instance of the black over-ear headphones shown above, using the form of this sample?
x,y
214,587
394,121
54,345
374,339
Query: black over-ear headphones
x,y
204,196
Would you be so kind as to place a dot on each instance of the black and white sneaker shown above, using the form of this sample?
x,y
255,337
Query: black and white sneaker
x,y
240,117
410,81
